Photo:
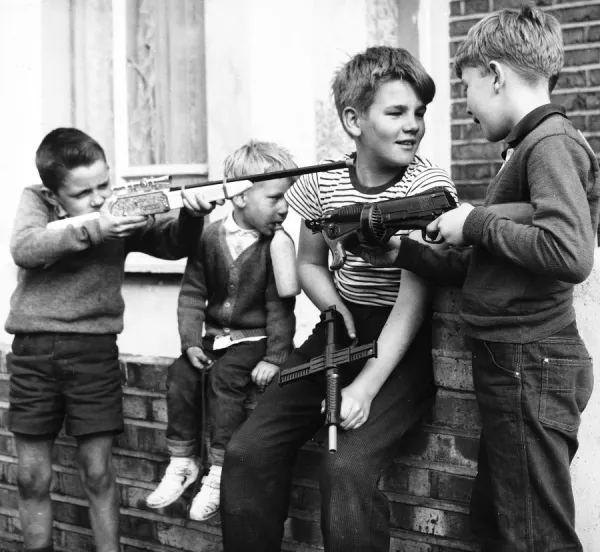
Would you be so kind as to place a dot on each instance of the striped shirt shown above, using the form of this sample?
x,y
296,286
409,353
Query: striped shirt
x,y
314,194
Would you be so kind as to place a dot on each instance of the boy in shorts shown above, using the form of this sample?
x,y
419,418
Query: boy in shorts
x,y
381,96
65,315
231,322
532,372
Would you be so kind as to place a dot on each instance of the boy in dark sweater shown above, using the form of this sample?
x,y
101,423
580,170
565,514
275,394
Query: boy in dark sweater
x,y
232,321
532,372
65,313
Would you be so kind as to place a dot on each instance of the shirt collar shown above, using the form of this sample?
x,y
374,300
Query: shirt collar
x,y
529,122
232,227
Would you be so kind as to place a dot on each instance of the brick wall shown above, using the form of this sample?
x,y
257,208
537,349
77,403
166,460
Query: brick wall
x,y
428,485
475,161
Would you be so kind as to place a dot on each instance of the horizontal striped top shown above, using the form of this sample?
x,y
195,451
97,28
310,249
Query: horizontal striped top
x,y
314,194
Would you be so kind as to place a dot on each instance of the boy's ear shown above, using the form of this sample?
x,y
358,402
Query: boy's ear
x,y
350,118
499,75
239,200
50,196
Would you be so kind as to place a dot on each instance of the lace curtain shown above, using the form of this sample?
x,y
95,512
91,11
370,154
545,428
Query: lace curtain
x,y
165,78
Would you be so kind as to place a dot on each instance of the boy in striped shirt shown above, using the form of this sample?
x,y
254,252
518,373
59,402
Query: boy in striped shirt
x,y
381,96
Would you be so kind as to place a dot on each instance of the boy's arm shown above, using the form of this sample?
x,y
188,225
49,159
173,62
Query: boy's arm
x,y
281,323
316,279
191,303
561,239
168,236
401,327
33,245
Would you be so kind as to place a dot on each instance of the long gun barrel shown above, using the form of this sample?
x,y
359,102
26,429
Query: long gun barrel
x,y
150,196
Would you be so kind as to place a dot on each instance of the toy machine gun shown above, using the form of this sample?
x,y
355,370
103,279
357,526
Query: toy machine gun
x,y
150,196
333,358
375,223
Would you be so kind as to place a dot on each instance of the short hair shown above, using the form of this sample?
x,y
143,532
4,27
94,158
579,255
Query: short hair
x,y
62,150
257,157
357,82
529,41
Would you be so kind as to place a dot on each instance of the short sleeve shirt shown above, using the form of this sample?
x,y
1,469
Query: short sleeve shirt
x,y
313,195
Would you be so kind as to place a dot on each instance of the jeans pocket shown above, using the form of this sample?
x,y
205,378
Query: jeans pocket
x,y
566,388
504,357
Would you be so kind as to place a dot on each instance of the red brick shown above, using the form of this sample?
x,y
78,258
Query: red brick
x,y
452,487
453,373
461,27
475,152
476,6
431,521
457,7
146,376
409,480
479,171
593,32
454,412
571,79
578,14
448,334
582,56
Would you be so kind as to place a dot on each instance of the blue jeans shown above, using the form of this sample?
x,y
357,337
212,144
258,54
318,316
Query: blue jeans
x,y
226,387
257,473
531,397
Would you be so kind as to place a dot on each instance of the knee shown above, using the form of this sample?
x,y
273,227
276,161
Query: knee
x,y
242,456
348,468
33,481
97,478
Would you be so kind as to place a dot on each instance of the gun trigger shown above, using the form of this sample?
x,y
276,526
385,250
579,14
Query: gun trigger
x,y
431,237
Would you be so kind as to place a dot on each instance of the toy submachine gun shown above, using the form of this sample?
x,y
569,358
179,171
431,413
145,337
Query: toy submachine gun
x,y
375,223
333,358
150,196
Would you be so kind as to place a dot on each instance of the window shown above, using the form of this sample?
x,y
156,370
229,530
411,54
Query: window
x,y
137,85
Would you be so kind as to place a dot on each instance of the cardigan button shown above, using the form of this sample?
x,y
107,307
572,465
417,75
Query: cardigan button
x,y
226,331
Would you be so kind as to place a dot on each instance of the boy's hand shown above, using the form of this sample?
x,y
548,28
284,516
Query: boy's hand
x,y
113,227
450,224
197,358
263,373
355,408
195,204
383,255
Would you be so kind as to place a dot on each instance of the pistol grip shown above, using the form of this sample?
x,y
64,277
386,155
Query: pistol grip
x,y
339,255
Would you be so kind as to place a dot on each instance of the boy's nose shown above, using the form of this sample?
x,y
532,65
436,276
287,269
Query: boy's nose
x,y
98,199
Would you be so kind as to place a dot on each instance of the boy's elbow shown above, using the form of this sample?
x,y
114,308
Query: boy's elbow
x,y
579,272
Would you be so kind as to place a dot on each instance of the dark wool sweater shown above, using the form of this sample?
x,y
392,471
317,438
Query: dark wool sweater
x,y
70,279
518,279
234,297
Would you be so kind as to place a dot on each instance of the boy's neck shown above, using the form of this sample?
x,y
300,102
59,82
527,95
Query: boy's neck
x,y
525,99
371,175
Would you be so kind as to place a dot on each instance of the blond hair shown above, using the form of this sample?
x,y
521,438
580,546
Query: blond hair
x,y
257,157
529,41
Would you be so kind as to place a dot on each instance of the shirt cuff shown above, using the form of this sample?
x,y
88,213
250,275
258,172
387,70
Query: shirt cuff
x,y
475,224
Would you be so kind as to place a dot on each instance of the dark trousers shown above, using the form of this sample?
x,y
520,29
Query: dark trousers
x,y
530,397
257,472
228,383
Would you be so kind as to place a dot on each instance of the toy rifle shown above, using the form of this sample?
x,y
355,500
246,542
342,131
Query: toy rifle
x,y
150,196
330,361
373,224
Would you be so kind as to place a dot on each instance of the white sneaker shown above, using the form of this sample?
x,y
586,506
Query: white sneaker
x,y
180,474
206,503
